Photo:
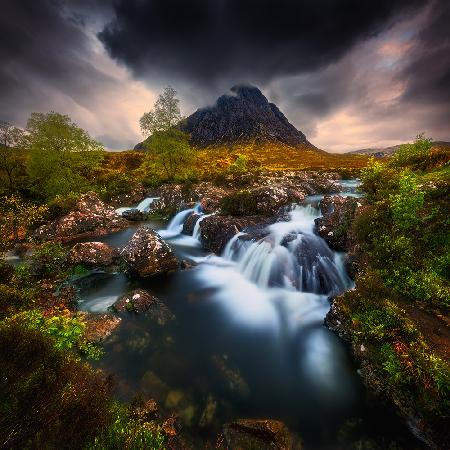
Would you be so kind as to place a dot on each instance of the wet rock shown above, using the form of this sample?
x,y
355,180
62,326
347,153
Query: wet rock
x,y
335,225
91,217
99,326
271,198
189,224
261,434
153,386
141,301
92,254
147,254
216,231
133,215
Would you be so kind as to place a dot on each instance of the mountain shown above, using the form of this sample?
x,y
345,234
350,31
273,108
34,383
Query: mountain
x,y
242,115
388,151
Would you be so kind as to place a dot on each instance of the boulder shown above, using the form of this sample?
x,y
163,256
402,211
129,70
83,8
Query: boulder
x,y
189,224
91,217
92,254
99,326
133,215
270,199
141,301
216,231
261,434
147,254
335,224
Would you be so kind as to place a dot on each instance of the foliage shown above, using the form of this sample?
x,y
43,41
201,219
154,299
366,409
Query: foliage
x,y
165,113
62,156
48,258
172,153
406,229
128,433
61,205
48,398
16,218
411,154
239,203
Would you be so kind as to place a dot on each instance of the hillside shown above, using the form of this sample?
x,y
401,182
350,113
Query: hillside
x,y
388,151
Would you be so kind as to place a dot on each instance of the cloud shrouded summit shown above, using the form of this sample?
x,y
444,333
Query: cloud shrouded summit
x,y
208,42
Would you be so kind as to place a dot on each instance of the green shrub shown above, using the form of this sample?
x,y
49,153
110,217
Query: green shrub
x,y
61,205
128,433
48,259
412,154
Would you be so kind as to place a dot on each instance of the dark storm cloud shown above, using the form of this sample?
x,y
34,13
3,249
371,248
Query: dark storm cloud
x,y
427,71
206,41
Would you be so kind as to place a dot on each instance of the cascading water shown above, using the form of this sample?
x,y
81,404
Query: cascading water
x,y
290,256
175,226
143,206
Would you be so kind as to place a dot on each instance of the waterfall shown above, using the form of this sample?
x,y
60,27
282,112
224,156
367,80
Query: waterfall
x,y
196,233
175,226
143,206
290,256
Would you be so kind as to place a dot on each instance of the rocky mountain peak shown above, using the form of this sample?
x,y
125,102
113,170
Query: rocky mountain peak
x,y
242,114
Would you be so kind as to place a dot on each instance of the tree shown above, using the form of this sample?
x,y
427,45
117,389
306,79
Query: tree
x,y
12,157
167,143
62,157
165,113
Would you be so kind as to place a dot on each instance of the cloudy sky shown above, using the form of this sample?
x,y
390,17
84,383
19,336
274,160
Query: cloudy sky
x,y
349,73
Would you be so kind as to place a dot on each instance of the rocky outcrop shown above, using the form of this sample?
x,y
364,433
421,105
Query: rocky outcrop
x,y
242,114
147,254
335,225
141,301
99,326
209,196
92,254
261,434
91,217
271,198
133,215
216,231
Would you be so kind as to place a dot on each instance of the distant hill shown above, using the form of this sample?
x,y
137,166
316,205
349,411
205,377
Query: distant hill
x,y
242,115
387,151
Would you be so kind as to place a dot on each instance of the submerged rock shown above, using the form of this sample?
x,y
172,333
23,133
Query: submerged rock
x,y
141,301
91,217
147,254
133,215
261,434
92,254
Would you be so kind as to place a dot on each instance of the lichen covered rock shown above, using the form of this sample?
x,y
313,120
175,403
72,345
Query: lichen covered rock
x,y
91,217
147,254
92,254
141,301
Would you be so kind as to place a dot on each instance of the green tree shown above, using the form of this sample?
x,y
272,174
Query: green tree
x,y
12,158
62,157
169,146
164,115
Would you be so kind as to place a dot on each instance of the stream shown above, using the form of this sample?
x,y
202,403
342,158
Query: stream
x,y
248,339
